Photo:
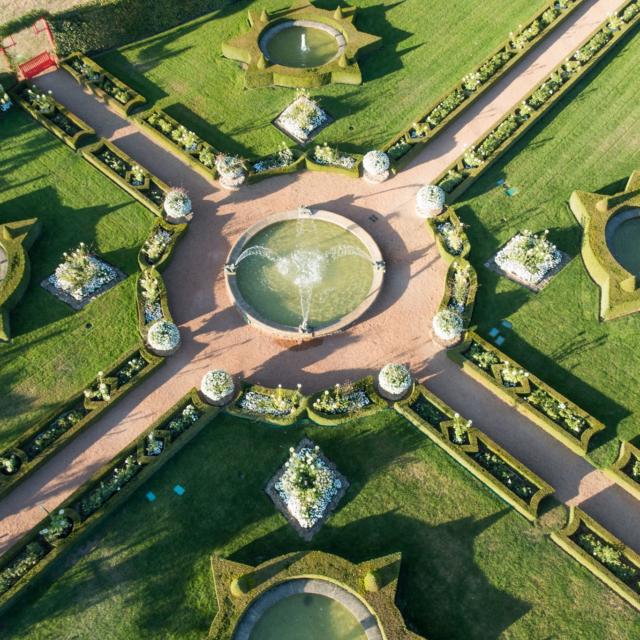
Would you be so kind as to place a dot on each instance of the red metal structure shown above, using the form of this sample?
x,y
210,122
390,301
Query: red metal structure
x,y
40,63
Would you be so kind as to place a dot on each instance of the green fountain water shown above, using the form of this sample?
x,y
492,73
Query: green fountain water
x,y
304,272
308,616
624,244
298,46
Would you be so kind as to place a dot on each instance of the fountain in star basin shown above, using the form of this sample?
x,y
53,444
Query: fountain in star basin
x,y
303,274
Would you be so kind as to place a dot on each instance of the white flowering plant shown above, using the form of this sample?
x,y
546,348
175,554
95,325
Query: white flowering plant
x,y
528,257
448,325
343,398
376,162
430,201
177,203
307,486
163,336
302,117
217,385
395,379
330,156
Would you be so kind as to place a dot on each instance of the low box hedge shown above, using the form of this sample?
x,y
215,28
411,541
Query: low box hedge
x,y
16,239
603,554
114,492
366,386
451,290
289,397
454,102
463,172
447,252
164,138
479,454
151,193
102,84
160,225
623,469
520,396
66,126
163,302
32,454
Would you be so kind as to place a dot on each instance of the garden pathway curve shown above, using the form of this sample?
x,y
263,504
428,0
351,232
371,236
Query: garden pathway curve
x,y
396,329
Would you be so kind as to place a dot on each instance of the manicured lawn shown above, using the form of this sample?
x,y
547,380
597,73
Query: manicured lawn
x,y
472,568
427,49
591,144
56,351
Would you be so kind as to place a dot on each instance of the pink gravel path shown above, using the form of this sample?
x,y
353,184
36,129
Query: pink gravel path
x,y
396,329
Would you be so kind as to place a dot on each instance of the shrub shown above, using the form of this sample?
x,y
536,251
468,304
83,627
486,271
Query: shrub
x,y
217,385
395,379
177,203
430,201
448,325
163,336
21,564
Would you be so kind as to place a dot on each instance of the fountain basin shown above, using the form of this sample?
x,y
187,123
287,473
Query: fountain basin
x,y
298,276
622,235
301,44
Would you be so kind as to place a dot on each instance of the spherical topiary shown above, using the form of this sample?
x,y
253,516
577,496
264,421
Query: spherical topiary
x,y
448,325
371,582
395,380
217,386
163,337
430,201
376,166
177,204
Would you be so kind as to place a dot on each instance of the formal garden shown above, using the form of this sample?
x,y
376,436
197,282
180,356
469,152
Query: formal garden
x,y
357,506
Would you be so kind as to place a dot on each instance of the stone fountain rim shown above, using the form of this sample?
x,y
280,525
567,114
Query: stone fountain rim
x,y
275,329
273,29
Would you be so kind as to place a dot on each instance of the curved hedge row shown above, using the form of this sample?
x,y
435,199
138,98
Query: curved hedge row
x,y
160,303
625,471
476,452
159,258
281,407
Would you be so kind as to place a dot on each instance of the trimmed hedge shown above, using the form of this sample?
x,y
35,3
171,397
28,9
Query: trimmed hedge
x,y
623,471
447,253
521,395
366,385
16,239
107,87
603,554
296,165
479,454
35,447
163,301
462,173
313,165
164,138
71,129
159,225
84,507
453,103
293,396
151,193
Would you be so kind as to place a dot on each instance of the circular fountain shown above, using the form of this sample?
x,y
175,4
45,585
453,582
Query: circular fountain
x,y
622,234
304,274
301,43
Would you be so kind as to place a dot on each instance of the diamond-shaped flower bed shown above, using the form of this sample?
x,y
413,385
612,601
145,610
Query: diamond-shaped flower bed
x,y
303,119
307,489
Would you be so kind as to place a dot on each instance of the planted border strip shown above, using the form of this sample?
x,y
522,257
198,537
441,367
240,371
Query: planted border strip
x,y
159,256
453,103
161,306
281,407
104,492
463,172
542,404
275,166
64,124
117,166
479,454
345,397
603,554
625,471
102,84
49,435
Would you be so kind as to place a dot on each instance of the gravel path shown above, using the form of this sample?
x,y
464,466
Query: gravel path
x,y
396,329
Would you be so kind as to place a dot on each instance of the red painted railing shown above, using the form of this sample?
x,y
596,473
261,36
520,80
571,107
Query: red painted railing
x,y
40,63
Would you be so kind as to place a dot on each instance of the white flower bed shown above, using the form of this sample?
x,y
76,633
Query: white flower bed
x,y
528,257
430,201
376,165
395,379
302,117
266,404
217,385
448,325
307,486
283,158
327,156
163,337
338,401
152,312
97,275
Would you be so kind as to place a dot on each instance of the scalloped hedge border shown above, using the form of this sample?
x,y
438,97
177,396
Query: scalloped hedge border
x,y
282,421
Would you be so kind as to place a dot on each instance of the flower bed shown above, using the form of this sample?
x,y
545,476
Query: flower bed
x,y
127,174
277,406
478,453
285,160
603,554
326,158
345,402
158,247
546,407
33,557
180,141
152,301
303,119
626,469
101,83
49,435
72,130
307,489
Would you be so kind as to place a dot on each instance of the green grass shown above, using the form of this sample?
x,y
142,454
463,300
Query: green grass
x,y
591,144
472,568
56,351
427,48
